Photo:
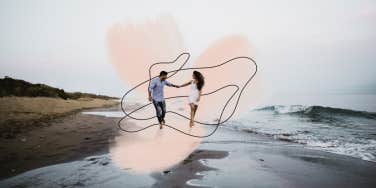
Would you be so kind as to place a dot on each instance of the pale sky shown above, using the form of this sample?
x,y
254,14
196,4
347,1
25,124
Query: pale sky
x,y
301,46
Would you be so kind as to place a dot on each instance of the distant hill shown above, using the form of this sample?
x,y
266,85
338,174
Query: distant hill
x,y
21,88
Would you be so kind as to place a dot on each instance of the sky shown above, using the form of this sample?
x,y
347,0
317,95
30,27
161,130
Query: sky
x,y
302,46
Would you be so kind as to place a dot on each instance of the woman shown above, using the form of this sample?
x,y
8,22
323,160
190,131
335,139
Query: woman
x,y
194,96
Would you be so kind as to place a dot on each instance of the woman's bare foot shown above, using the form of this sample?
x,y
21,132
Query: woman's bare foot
x,y
191,124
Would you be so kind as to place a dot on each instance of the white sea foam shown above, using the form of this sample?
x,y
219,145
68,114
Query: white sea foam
x,y
106,113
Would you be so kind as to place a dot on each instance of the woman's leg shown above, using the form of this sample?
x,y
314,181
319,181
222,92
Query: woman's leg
x,y
195,109
193,113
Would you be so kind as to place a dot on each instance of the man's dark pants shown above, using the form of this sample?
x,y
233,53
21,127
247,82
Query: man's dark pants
x,y
160,108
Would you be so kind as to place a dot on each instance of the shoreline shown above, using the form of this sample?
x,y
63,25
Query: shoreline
x,y
229,158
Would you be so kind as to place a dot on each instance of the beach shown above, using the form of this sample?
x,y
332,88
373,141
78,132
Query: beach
x,y
19,114
49,130
161,94
79,157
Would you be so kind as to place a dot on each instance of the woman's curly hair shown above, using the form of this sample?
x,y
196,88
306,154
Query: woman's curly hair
x,y
200,79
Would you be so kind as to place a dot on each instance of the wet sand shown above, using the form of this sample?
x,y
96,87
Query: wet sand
x,y
71,137
257,161
188,169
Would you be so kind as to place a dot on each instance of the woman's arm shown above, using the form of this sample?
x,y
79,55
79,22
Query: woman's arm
x,y
183,85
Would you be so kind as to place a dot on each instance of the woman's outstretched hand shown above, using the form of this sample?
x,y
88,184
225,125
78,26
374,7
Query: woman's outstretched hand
x,y
183,85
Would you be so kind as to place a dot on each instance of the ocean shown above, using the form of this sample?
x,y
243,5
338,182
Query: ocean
x,y
341,124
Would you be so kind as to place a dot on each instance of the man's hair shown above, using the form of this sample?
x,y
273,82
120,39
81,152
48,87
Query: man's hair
x,y
163,73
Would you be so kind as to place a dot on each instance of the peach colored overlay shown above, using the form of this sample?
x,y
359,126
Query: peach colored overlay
x,y
133,48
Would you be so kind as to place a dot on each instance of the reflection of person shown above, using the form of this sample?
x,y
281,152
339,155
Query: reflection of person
x,y
156,95
194,96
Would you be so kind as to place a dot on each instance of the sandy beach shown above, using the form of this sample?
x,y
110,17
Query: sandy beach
x,y
48,131
227,159
20,114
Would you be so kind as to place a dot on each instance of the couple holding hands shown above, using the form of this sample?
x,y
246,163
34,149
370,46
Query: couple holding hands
x,y
156,94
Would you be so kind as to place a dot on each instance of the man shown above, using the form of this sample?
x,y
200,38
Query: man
x,y
156,95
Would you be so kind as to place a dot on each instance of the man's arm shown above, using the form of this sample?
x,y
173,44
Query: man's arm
x,y
183,85
151,86
169,84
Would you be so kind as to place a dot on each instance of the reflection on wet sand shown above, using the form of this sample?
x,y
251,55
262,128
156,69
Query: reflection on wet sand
x,y
154,149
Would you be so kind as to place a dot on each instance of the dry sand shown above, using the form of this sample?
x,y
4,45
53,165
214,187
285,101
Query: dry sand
x,y
24,113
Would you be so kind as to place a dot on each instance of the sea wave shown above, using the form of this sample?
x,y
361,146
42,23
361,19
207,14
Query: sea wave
x,y
317,111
